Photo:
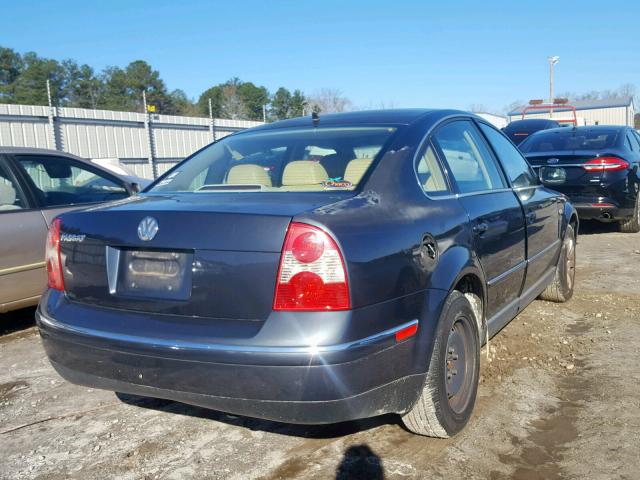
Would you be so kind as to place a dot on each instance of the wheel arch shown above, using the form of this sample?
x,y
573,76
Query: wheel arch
x,y
457,268
569,217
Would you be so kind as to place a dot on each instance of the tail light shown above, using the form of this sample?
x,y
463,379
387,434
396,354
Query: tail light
x,y
312,274
52,256
605,164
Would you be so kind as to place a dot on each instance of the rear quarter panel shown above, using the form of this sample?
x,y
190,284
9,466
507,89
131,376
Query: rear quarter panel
x,y
380,232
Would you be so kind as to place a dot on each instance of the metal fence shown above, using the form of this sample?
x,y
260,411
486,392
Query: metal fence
x,y
143,143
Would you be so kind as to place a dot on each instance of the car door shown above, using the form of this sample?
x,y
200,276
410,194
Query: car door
x,y
22,237
541,211
61,183
495,215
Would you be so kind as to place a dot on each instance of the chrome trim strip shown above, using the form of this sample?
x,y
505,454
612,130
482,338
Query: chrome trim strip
x,y
543,251
182,345
554,165
482,192
503,275
22,268
112,260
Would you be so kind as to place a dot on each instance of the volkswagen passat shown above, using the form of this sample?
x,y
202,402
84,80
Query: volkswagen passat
x,y
313,270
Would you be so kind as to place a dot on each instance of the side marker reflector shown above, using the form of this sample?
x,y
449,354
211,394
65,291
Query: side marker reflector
x,y
406,332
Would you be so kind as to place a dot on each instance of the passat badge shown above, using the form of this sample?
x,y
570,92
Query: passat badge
x,y
553,160
147,229
72,237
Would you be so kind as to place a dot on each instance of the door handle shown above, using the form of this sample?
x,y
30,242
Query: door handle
x,y
480,228
531,217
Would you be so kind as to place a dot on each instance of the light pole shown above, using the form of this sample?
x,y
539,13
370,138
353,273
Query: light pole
x,y
552,61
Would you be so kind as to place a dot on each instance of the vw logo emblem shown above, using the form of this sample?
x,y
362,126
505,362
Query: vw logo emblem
x,y
553,160
147,228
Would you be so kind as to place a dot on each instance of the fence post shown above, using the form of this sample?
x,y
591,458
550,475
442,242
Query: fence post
x,y
212,123
150,145
53,131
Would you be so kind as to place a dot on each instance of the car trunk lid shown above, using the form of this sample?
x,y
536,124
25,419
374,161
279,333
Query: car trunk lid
x,y
560,170
213,255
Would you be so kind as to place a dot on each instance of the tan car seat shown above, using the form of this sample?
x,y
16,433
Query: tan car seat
x,y
304,175
435,182
249,174
356,169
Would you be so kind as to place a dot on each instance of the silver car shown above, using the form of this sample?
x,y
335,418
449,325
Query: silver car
x,y
35,186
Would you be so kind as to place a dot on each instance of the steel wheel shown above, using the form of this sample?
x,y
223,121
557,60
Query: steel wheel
x,y
459,382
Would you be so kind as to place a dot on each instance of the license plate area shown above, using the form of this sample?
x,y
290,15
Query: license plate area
x,y
157,274
553,175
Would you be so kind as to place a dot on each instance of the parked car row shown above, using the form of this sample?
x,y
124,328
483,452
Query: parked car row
x,y
313,270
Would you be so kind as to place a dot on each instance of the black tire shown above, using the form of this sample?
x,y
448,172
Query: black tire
x,y
561,289
632,225
449,394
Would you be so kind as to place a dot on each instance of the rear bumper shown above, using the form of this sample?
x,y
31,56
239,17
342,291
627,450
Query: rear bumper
x,y
602,210
610,200
312,385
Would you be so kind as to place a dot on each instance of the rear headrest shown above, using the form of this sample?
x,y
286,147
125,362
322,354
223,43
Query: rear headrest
x,y
248,175
304,172
333,164
7,197
356,169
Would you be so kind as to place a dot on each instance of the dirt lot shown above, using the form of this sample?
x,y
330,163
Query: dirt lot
x,y
559,398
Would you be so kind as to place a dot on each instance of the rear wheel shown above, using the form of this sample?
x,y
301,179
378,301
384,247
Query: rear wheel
x,y
448,396
632,225
561,289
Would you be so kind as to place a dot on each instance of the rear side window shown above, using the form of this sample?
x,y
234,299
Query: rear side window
x,y
281,160
430,174
468,158
633,140
516,167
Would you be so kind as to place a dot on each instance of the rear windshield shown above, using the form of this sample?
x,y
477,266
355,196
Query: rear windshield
x,y
281,160
569,139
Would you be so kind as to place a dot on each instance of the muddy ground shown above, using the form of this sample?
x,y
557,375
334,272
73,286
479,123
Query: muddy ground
x,y
559,398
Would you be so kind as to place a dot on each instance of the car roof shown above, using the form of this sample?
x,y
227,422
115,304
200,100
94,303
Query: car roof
x,y
403,116
38,151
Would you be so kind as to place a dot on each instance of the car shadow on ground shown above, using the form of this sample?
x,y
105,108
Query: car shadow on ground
x,y
593,227
17,320
329,431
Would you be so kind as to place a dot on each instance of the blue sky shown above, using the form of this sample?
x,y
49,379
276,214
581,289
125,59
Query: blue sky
x,y
399,53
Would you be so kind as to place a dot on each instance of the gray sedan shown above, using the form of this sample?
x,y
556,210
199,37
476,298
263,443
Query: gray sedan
x,y
35,186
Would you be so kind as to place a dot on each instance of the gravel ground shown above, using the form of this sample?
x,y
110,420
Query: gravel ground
x,y
559,398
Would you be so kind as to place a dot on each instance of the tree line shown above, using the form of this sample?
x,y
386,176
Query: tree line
x,y
23,80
